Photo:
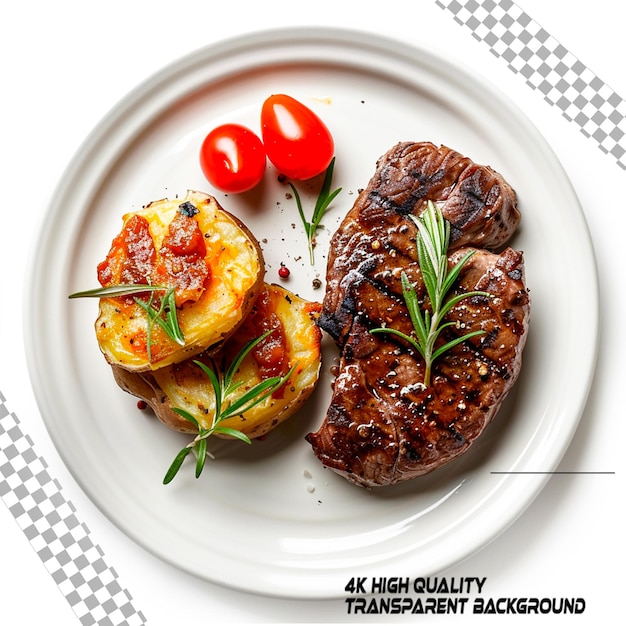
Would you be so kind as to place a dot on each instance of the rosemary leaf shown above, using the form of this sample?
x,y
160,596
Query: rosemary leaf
x,y
251,398
452,302
231,370
410,298
176,465
257,394
305,222
216,383
455,271
325,197
232,432
200,456
392,331
456,342
150,314
170,324
188,416
115,291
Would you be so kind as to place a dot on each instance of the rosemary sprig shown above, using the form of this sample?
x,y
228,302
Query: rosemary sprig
x,y
432,253
324,199
224,385
164,314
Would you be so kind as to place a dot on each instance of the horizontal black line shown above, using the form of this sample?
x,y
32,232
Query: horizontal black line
x,y
552,472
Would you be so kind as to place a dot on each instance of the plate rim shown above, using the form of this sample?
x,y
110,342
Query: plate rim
x,y
305,36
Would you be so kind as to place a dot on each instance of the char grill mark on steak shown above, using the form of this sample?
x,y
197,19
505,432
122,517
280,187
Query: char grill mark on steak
x,y
479,204
382,425
392,428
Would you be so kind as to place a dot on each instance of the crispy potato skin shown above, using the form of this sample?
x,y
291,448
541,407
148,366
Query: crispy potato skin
x,y
236,273
184,385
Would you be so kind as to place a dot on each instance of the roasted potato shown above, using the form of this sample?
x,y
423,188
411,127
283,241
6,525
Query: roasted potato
x,y
295,341
211,259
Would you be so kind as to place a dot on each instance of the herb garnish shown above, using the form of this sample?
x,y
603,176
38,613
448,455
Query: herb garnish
x,y
324,199
432,252
222,380
162,313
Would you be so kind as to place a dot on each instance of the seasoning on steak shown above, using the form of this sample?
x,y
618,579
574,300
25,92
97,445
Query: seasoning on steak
x,y
383,425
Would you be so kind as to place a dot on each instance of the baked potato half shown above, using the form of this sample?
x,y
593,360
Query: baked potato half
x,y
295,342
211,260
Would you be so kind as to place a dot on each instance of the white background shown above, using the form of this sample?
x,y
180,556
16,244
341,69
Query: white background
x,y
66,63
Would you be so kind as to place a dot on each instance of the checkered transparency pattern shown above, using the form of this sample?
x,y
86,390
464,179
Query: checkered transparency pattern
x,y
49,522
565,82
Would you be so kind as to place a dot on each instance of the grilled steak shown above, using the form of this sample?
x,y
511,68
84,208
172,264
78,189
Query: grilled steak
x,y
383,425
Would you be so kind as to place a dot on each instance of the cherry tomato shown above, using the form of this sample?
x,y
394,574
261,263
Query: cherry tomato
x,y
296,140
232,158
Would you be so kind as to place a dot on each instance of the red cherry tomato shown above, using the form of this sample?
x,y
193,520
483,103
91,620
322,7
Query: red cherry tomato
x,y
296,140
232,158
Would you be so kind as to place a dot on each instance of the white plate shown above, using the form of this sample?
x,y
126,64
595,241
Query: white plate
x,y
256,520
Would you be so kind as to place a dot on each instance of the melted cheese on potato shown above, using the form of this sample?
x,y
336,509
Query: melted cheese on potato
x,y
235,275
187,387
